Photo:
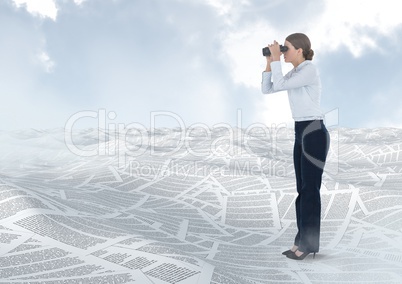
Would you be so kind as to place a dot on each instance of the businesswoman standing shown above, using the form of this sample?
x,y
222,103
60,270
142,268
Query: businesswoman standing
x,y
311,137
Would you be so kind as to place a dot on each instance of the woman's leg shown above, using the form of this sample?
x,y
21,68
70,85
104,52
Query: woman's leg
x,y
315,142
297,153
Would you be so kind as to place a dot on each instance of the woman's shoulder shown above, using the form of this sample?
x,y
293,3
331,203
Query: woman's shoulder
x,y
307,69
307,65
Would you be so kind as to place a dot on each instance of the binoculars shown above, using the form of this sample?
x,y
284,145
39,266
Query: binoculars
x,y
267,52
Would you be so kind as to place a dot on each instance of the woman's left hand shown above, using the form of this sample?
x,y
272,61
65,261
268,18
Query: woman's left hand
x,y
275,51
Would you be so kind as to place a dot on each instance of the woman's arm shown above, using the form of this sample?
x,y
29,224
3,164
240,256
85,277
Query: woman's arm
x,y
303,77
267,87
266,84
269,60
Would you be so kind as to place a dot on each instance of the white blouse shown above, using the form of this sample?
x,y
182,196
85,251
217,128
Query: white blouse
x,y
303,85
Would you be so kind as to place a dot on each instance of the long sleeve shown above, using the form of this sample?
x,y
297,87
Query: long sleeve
x,y
266,84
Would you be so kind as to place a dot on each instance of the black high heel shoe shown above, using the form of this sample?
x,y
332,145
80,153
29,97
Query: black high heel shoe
x,y
289,251
301,257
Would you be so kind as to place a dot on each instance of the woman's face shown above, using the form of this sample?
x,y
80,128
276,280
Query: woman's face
x,y
292,54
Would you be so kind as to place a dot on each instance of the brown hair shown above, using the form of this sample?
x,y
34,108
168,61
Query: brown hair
x,y
299,40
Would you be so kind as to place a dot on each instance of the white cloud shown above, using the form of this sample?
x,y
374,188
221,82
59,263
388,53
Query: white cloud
x,y
222,7
274,109
243,51
201,59
79,2
42,8
354,24
46,62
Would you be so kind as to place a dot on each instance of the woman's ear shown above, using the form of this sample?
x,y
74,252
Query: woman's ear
x,y
300,50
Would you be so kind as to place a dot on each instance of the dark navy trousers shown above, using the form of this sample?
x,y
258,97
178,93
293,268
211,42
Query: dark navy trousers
x,y
309,156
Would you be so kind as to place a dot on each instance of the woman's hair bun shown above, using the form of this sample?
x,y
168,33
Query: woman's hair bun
x,y
310,55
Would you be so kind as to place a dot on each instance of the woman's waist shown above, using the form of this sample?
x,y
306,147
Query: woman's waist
x,y
309,125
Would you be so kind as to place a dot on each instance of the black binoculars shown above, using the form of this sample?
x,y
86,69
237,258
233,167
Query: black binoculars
x,y
267,52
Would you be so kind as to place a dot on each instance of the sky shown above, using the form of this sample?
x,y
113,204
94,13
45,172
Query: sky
x,y
191,62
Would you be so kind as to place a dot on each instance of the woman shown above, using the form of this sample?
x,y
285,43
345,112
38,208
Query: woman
x,y
311,137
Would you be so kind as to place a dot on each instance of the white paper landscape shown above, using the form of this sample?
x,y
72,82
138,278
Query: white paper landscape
x,y
194,208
